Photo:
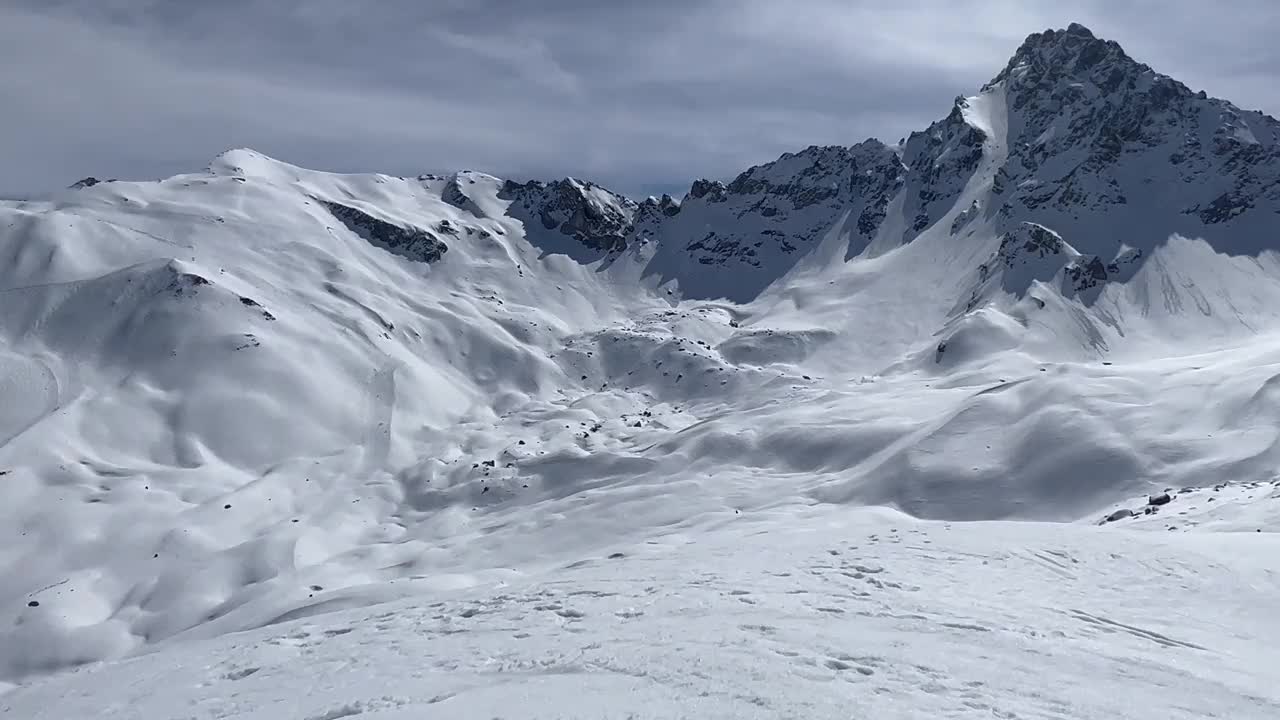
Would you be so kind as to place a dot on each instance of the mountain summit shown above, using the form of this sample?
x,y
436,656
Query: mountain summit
x,y
1073,134
1047,56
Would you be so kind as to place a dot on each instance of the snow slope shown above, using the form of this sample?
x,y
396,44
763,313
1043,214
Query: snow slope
x,y
857,613
263,399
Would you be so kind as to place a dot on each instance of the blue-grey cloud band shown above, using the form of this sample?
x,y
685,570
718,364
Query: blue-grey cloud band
x,y
642,97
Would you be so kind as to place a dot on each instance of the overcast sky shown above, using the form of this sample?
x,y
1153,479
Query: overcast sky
x,y
642,96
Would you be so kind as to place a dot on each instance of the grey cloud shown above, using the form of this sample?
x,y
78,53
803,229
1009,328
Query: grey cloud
x,y
639,96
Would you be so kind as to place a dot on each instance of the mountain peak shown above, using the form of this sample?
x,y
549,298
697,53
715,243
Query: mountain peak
x,y
596,218
1075,36
1073,54
1078,30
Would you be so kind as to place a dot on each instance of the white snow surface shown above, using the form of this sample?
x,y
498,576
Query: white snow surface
x,y
266,452
853,613
226,412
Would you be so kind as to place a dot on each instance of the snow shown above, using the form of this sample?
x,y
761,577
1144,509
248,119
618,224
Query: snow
x,y
180,469
836,439
867,613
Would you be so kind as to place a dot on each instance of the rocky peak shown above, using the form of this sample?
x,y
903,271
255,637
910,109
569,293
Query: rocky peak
x,y
818,173
456,192
1073,134
1030,252
1103,91
665,206
1029,239
713,190
732,240
1092,131
1074,54
593,216
939,161
86,182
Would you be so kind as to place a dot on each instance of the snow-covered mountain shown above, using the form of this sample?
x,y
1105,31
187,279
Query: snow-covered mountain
x,y
259,394
1073,134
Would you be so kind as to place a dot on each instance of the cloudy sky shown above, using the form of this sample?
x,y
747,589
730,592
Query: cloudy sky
x,y
642,96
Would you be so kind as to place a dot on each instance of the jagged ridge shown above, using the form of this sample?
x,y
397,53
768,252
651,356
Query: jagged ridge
x,y
1073,134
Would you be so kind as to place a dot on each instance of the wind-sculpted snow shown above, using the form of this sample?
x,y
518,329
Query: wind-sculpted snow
x,y
262,393
865,612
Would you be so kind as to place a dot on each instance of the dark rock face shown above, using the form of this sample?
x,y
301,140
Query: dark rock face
x,y
770,213
939,162
456,195
713,190
1090,271
1030,239
1093,120
765,218
86,183
1039,251
592,216
185,283
408,242
453,194
965,217
1223,208
1082,95
822,176
667,205
1086,274
1032,244
652,213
